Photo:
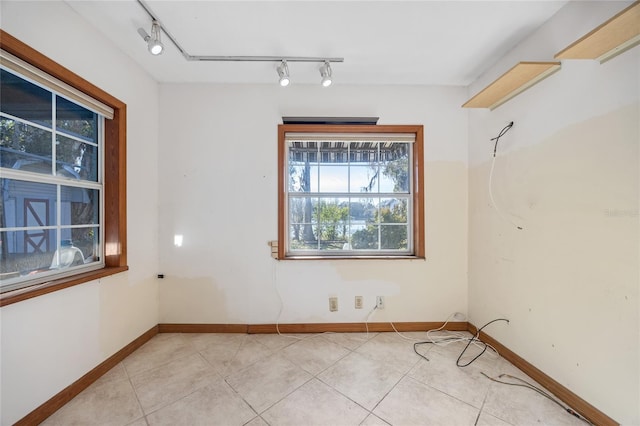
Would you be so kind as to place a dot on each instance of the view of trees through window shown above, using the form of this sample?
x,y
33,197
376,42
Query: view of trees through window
x,y
349,195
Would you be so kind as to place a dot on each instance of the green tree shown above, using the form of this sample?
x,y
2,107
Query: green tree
x,y
398,171
16,138
394,165
391,236
332,218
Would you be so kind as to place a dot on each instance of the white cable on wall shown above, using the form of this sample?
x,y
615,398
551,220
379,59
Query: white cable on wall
x,y
493,202
493,164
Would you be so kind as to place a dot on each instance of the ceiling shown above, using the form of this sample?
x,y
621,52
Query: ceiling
x,y
382,42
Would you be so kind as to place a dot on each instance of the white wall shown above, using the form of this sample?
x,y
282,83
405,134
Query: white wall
x,y
52,340
218,156
568,173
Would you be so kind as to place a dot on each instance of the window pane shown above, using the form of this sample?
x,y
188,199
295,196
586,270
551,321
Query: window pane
x,y
303,167
365,238
303,152
296,242
44,137
67,255
26,252
393,210
24,147
362,202
333,152
25,100
296,178
75,120
363,210
363,158
363,153
86,240
364,223
303,224
303,178
334,167
395,167
27,204
76,159
79,206
364,179
334,178
333,223
393,237
313,178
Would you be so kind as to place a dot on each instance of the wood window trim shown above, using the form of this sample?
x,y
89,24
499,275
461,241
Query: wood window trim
x,y
418,183
115,176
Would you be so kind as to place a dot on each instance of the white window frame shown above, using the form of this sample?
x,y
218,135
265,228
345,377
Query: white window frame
x,y
413,135
57,89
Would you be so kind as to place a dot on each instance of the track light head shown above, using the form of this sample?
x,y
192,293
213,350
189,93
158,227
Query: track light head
x,y
283,73
154,44
325,73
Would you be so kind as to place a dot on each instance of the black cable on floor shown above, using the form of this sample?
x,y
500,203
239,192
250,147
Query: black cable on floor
x,y
476,338
523,383
470,340
528,385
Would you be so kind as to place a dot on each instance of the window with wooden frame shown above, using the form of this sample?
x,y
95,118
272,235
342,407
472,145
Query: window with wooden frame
x,y
350,191
63,176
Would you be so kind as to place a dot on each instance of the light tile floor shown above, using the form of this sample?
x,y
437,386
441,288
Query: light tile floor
x,y
328,379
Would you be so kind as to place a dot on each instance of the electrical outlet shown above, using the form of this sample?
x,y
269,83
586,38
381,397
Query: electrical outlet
x,y
380,302
358,302
333,304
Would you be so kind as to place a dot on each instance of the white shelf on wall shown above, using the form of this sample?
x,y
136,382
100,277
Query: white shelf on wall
x,y
513,82
613,37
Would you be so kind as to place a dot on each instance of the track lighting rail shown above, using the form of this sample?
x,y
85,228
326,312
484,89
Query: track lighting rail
x,y
262,58
214,58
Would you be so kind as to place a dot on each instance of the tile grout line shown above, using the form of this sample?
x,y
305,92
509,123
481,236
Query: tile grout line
x,y
453,396
486,395
235,392
492,384
235,354
355,351
407,374
196,353
173,402
370,412
350,352
220,374
270,354
273,353
392,388
313,376
293,363
286,396
159,365
314,355
133,388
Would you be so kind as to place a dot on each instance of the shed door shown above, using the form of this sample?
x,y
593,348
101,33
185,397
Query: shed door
x,y
36,213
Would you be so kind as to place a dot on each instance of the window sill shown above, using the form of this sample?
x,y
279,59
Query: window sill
x,y
19,295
